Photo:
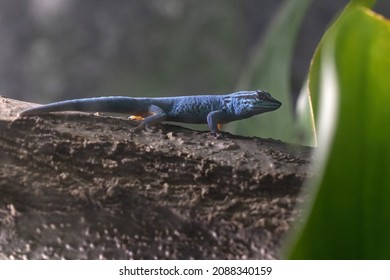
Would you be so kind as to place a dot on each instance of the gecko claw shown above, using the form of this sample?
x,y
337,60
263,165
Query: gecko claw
x,y
136,129
217,134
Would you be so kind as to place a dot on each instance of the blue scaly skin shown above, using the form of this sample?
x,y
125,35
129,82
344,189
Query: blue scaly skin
x,y
197,109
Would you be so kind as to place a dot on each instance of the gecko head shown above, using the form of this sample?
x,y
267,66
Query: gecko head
x,y
266,101
251,103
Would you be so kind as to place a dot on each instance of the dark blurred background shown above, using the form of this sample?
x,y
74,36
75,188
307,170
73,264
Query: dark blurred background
x,y
57,49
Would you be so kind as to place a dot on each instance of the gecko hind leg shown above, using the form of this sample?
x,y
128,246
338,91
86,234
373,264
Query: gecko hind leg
x,y
157,115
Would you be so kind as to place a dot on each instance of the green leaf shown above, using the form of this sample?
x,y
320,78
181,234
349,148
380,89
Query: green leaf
x,y
365,3
305,129
350,205
269,69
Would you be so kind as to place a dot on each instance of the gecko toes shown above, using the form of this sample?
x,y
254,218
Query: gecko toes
x,y
217,135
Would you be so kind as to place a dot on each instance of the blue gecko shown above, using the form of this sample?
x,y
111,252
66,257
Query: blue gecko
x,y
197,109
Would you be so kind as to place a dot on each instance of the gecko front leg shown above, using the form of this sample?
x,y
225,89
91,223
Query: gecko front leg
x,y
214,120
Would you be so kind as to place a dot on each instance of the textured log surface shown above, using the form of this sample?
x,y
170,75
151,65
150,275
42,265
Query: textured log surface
x,y
82,186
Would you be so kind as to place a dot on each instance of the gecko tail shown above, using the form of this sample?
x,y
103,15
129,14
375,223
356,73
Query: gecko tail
x,y
113,104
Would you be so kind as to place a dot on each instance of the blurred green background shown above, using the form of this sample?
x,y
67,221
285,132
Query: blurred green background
x,y
57,49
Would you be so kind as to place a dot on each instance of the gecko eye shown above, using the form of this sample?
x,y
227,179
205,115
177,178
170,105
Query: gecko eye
x,y
263,94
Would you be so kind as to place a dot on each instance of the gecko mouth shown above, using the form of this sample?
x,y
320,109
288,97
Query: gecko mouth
x,y
271,104
276,103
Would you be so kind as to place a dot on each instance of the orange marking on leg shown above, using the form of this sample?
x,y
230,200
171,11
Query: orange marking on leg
x,y
136,118
219,126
